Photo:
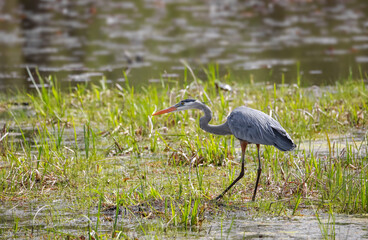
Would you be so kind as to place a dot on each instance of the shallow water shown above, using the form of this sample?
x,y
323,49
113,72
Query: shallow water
x,y
353,144
38,221
81,40
305,227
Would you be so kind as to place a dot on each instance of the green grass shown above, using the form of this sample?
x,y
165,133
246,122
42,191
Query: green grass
x,y
97,147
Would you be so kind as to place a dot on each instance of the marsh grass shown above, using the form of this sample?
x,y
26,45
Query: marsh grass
x,y
98,147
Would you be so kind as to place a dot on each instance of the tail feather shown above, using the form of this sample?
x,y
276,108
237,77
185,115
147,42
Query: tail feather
x,y
283,140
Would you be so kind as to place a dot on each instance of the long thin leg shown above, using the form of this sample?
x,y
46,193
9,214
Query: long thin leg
x,y
258,175
243,145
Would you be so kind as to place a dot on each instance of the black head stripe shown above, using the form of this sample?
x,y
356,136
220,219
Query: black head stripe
x,y
188,100
185,101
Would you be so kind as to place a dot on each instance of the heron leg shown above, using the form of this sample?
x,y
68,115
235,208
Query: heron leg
x,y
258,175
243,145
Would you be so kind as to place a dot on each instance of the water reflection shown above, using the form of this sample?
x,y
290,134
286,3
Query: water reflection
x,y
149,37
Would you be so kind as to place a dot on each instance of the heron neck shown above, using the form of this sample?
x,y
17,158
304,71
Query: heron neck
x,y
222,129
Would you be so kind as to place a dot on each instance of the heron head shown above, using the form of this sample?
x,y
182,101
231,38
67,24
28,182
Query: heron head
x,y
180,106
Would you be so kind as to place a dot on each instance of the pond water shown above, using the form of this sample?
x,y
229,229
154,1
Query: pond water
x,y
82,40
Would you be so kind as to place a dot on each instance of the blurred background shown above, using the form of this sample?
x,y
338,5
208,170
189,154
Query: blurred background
x,y
255,40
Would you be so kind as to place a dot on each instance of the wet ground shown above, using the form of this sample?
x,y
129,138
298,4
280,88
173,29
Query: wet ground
x,y
353,144
81,40
45,220
37,220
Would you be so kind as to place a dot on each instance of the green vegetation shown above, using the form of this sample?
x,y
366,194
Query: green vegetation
x,y
97,153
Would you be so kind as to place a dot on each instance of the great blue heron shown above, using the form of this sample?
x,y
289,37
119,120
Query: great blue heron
x,y
246,124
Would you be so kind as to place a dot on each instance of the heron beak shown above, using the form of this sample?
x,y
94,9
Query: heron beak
x,y
167,110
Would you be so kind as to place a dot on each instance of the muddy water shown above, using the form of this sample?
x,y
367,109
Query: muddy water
x,y
338,146
306,227
46,220
81,40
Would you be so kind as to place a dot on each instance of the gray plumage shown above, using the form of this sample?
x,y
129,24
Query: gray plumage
x,y
246,124
257,127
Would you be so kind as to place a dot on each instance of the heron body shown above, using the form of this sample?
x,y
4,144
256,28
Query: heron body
x,y
254,126
246,124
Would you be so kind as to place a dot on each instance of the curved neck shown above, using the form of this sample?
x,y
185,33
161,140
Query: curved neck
x,y
222,129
